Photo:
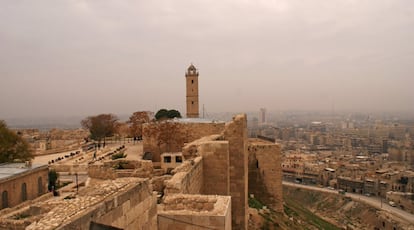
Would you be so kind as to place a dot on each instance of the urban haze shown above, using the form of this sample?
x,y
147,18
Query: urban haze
x,y
79,58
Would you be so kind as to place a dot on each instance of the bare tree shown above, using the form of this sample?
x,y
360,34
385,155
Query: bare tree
x,y
101,126
136,120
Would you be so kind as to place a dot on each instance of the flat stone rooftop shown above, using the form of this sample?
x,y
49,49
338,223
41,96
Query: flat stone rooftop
x,y
8,170
186,204
194,120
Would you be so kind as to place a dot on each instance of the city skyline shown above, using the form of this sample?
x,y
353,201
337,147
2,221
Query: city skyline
x,y
84,58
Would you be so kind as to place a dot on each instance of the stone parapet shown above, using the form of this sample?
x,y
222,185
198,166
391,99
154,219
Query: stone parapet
x,y
121,168
187,179
183,211
126,203
265,173
235,133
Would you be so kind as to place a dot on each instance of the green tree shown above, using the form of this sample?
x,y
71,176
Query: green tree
x,y
12,146
53,177
101,126
163,114
173,113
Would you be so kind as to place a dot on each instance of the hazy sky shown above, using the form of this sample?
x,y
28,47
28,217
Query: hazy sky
x,y
88,57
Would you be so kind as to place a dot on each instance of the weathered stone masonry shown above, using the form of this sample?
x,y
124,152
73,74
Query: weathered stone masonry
x,y
265,177
170,136
236,134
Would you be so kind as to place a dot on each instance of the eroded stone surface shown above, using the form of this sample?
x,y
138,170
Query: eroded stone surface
x,y
66,209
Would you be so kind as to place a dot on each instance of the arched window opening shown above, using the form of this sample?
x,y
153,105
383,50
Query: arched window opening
x,y
24,192
4,199
40,185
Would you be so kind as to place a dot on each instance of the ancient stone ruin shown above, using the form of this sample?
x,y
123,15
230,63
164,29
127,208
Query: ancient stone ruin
x,y
216,167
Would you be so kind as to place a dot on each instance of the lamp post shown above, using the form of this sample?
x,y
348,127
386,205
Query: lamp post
x,y
77,184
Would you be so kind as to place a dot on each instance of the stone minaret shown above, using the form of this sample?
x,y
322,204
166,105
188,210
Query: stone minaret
x,y
192,92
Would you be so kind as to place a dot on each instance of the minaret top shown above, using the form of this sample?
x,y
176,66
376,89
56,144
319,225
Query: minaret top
x,y
191,71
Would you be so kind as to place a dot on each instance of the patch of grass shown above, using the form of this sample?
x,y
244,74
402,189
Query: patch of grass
x,y
118,156
254,203
289,211
292,208
120,165
21,216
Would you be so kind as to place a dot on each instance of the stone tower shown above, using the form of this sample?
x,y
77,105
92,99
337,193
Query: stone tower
x,y
191,77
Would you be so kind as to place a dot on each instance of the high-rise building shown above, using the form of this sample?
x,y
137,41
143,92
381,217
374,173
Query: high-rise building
x,y
191,77
262,115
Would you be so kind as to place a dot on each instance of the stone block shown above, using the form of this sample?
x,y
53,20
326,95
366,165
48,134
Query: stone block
x,y
200,220
217,221
126,206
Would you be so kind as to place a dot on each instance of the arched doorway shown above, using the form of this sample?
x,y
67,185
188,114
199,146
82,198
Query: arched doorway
x,y
4,200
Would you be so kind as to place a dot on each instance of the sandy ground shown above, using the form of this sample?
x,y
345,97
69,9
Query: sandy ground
x,y
133,150
44,159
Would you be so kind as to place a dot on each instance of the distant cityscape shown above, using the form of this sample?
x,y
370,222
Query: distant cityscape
x,y
165,170
356,153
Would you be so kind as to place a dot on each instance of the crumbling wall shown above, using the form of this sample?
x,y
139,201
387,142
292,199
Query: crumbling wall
x,y
187,179
121,168
27,209
235,133
170,136
126,203
265,173
195,212
132,209
158,183
190,150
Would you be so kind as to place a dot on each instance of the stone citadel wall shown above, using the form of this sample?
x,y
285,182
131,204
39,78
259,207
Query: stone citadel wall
x,y
187,179
195,212
126,203
265,173
235,133
225,168
216,165
170,136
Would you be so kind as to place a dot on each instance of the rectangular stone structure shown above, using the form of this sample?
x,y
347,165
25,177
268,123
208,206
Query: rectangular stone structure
x,y
235,133
216,167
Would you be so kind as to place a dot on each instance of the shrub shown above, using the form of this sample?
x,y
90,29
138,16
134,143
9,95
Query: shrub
x,y
118,155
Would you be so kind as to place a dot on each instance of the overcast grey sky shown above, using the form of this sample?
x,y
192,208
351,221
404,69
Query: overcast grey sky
x,y
88,57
